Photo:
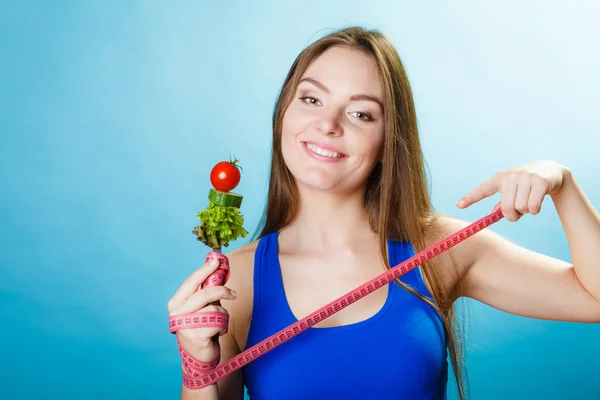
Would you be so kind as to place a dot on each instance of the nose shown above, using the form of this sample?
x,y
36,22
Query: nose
x,y
330,123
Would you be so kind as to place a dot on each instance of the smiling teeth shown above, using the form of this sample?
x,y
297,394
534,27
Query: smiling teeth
x,y
323,152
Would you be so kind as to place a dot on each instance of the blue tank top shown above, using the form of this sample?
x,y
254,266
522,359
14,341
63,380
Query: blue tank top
x,y
399,353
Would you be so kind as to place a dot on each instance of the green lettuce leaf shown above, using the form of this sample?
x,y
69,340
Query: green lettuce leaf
x,y
219,225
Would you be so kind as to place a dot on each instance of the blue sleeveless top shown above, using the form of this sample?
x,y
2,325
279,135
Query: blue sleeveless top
x,y
399,353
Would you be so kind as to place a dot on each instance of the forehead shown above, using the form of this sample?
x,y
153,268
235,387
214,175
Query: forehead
x,y
345,69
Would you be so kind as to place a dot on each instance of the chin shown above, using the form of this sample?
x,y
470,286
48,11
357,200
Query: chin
x,y
314,179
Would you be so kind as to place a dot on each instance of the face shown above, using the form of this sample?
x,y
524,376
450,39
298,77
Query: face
x,y
333,128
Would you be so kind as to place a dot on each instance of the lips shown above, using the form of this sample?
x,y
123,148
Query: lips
x,y
322,158
325,146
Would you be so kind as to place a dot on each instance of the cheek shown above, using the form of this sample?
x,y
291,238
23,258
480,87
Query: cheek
x,y
294,123
287,126
289,131
369,146
294,120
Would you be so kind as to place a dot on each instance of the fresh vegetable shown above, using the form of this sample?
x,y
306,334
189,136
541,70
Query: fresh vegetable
x,y
225,199
221,222
225,176
219,225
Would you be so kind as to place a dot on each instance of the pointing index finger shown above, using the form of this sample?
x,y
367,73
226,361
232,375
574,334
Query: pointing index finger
x,y
482,191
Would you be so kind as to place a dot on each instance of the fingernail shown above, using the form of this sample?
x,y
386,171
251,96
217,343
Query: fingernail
x,y
233,293
460,203
214,262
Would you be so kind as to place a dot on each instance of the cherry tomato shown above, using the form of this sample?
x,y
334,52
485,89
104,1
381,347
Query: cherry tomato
x,y
225,176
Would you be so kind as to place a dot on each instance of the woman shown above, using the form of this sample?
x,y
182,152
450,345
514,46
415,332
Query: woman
x,y
347,199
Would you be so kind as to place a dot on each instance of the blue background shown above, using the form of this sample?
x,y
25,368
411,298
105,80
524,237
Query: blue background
x,y
112,114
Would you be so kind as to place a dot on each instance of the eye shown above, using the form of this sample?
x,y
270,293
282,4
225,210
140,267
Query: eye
x,y
364,116
310,100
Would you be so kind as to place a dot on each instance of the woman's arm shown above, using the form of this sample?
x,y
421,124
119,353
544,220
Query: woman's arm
x,y
231,387
520,281
241,262
208,393
582,227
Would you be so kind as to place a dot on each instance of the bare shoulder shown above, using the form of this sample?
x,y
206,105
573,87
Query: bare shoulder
x,y
241,279
453,264
244,255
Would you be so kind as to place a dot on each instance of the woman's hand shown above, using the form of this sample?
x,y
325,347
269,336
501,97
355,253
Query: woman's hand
x,y
201,343
523,188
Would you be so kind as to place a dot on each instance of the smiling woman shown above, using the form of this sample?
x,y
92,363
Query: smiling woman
x,y
347,199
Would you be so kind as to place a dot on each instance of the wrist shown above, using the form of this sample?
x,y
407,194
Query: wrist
x,y
567,186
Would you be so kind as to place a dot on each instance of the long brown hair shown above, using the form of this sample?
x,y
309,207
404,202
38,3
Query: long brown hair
x,y
397,197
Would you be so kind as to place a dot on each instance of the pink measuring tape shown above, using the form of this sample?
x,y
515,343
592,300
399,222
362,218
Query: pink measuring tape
x,y
201,374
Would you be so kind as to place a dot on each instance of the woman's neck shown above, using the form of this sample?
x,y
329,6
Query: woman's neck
x,y
327,221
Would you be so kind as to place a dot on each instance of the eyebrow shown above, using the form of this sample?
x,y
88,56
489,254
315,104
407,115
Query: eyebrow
x,y
355,97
